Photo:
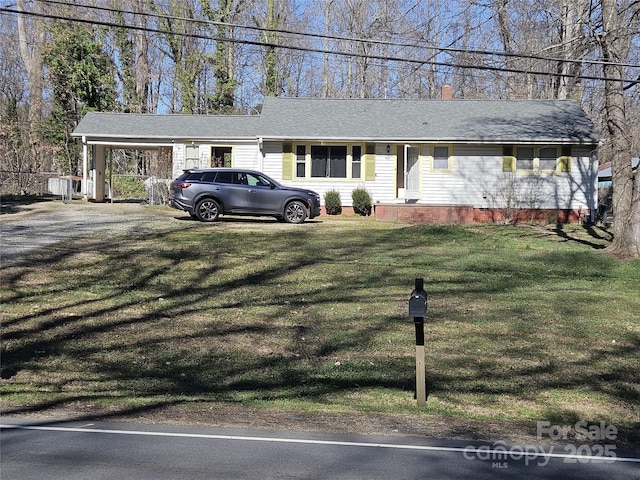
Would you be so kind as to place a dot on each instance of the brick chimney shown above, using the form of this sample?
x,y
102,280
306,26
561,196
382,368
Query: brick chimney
x,y
447,92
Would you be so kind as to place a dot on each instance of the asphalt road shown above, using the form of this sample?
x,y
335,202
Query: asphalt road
x,y
95,450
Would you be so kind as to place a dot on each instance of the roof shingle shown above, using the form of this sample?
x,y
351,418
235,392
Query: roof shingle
x,y
464,121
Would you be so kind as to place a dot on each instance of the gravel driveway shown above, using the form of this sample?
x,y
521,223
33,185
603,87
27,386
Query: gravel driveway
x,y
26,227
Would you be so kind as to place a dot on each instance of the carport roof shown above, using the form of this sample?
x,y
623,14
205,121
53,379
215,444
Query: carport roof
x,y
125,126
464,121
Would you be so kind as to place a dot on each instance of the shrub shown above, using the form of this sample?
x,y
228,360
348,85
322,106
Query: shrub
x,y
128,187
362,202
332,202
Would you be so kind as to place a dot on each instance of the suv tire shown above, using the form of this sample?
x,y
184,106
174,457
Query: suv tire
x,y
295,212
207,210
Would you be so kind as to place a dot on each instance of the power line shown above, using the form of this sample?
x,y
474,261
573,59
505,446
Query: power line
x,y
319,50
352,39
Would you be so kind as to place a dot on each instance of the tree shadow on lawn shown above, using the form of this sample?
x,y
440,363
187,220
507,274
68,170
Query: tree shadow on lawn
x,y
217,359
599,235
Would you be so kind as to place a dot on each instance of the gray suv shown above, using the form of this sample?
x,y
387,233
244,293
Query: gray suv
x,y
207,193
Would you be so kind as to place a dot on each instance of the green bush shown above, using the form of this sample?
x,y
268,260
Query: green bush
x,y
332,202
124,187
362,202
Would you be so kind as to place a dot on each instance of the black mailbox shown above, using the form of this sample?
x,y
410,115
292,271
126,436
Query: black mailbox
x,y
418,300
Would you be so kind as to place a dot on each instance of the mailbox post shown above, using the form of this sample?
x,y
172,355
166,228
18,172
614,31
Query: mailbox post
x,y
418,310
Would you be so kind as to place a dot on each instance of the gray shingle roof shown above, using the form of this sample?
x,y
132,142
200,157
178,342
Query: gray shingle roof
x,y
430,120
167,127
465,121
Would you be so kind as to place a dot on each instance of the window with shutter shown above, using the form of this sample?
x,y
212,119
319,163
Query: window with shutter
x,y
370,162
287,161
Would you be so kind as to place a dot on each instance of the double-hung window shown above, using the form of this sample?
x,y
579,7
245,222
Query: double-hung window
x,y
441,159
536,159
524,158
548,159
356,161
301,161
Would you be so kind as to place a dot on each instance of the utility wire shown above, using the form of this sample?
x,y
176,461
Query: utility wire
x,y
319,50
350,39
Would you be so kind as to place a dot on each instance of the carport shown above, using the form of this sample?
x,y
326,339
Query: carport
x,y
99,133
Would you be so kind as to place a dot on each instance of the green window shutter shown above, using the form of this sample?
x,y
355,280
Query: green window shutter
x,y
508,160
370,162
564,164
287,161
508,163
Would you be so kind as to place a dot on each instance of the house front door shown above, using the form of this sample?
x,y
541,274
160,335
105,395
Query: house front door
x,y
412,172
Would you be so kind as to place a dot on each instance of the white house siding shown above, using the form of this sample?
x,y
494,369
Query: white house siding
x,y
382,189
179,158
471,169
244,155
476,178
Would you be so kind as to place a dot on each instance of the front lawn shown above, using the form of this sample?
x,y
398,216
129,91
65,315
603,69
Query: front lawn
x,y
524,324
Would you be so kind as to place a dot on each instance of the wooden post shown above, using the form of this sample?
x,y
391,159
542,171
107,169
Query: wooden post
x,y
421,383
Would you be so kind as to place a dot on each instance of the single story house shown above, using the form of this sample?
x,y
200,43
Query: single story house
x,y
442,161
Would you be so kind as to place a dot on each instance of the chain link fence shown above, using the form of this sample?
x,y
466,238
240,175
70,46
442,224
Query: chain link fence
x,y
121,188
139,188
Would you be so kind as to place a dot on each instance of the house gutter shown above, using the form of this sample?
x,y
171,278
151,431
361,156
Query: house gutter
x,y
536,141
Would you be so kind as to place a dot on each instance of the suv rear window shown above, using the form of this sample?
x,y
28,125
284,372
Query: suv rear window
x,y
197,177
191,176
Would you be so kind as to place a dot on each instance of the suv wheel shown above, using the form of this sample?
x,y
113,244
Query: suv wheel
x,y
295,212
207,210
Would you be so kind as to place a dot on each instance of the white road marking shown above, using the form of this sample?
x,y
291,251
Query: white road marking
x,y
466,450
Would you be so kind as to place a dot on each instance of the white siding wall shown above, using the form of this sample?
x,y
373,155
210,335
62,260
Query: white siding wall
x,y
476,177
178,160
381,190
244,155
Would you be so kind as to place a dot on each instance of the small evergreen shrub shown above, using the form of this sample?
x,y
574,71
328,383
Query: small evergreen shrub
x,y
127,188
332,202
362,202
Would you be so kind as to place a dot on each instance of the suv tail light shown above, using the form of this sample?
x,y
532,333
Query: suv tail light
x,y
183,185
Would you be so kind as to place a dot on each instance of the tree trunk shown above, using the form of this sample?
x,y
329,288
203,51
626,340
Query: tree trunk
x,y
32,61
271,65
626,195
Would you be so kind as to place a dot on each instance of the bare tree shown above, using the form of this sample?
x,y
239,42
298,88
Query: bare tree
x,y
178,21
574,16
133,55
619,21
31,35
